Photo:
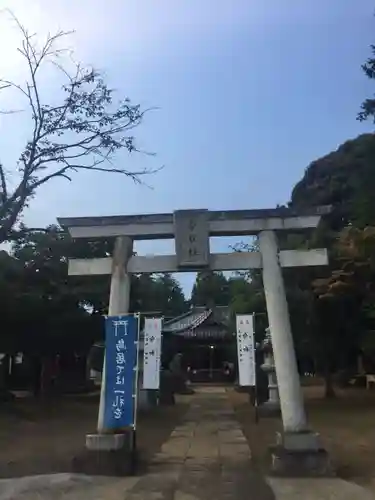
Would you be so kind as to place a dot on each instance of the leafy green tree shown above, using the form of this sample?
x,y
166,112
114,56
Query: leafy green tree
x,y
246,296
46,312
340,299
44,255
36,277
368,106
41,312
210,288
160,294
344,179
170,296
46,295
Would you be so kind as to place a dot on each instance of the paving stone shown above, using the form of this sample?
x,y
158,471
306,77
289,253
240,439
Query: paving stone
x,y
175,449
210,456
182,495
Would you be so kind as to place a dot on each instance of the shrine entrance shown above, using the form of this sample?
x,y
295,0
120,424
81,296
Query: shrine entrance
x,y
205,338
191,230
207,363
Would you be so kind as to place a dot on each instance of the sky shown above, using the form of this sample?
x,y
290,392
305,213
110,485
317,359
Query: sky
x,y
248,93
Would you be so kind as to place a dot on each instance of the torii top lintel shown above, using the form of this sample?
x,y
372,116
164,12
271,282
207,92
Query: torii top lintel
x,y
221,223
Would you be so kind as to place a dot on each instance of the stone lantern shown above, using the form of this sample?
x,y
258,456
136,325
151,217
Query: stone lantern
x,y
272,405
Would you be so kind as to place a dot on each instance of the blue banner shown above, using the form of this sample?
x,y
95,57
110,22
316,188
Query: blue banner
x,y
120,379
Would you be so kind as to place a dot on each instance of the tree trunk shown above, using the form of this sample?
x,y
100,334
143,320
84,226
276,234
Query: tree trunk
x,y
36,375
329,388
5,394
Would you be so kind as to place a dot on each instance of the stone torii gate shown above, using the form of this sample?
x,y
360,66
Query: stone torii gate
x,y
191,230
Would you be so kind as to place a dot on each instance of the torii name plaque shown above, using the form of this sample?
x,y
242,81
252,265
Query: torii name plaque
x,y
192,238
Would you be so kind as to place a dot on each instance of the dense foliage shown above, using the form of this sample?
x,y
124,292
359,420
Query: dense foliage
x,y
342,299
45,310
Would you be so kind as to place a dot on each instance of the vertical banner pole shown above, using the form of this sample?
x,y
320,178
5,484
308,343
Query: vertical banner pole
x,y
256,402
135,396
138,316
161,350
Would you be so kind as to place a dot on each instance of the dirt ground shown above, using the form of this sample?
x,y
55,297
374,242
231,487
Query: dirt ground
x,y
37,438
40,438
346,426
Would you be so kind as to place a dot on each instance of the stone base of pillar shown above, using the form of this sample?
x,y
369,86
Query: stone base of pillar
x,y
107,455
166,398
241,388
269,409
300,454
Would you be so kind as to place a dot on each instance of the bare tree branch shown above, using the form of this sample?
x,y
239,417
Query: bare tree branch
x,y
83,131
4,187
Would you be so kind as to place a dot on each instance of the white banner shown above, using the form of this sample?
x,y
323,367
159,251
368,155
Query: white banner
x,y
152,353
246,349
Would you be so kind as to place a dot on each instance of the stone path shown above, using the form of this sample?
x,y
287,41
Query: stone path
x,y
207,457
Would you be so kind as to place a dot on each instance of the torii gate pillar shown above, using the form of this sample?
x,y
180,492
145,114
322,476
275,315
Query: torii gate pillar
x,y
119,297
291,398
298,450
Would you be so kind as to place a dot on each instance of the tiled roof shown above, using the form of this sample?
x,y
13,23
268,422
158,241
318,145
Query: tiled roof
x,y
187,321
196,317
